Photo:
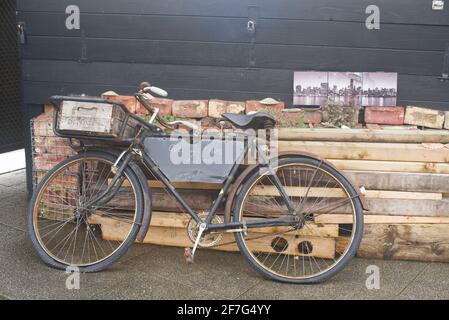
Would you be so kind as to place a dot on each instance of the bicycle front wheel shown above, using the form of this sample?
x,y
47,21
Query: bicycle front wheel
x,y
68,231
329,227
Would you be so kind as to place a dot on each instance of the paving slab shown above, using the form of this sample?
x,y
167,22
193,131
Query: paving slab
x,y
431,283
342,286
24,276
145,285
350,283
7,237
12,193
13,178
14,213
394,277
222,273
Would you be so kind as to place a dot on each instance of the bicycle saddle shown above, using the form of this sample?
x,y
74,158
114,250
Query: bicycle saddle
x,y
256,120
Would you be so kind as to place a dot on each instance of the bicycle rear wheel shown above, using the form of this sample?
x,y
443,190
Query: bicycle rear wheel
x,y
300,253
67,231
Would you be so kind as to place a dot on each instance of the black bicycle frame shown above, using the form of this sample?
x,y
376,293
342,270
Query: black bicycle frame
x,y
287,220
157,172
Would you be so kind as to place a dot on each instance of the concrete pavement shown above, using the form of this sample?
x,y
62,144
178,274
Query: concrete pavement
x,y
155,272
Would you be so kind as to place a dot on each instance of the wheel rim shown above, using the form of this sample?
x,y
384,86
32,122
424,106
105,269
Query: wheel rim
x,y
293,252
75,235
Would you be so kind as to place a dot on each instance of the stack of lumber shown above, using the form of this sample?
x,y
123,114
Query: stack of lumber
x,y
405,175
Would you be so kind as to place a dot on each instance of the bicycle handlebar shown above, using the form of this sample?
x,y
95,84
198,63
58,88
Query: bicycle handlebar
x,y
142,98
156,90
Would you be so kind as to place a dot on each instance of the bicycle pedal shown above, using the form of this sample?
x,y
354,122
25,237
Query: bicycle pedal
x,y
188,255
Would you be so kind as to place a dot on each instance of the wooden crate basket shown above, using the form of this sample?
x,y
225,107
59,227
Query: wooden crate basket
x,y
95,119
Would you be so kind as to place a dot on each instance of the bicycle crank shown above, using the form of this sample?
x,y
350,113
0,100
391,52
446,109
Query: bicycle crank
x,y
196,234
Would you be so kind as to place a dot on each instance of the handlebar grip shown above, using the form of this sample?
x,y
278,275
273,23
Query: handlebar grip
x,y
156,90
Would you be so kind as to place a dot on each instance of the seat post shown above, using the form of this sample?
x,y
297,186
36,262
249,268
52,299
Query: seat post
x,y
267,127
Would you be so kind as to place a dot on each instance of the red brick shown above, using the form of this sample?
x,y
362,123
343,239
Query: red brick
x,y
46,161
218,107
293,115
55,141
44,118
190,108
208,122
130,102
164,105
424,117
385,115
39,149
210,130
60,151
372,126
48,109
312,117
43,125
253,105
305,116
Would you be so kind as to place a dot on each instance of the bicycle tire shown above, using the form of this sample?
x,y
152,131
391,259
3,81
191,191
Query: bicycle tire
x,y
343,260
32,215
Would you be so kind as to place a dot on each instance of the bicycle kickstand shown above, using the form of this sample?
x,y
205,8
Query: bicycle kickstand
x,y
189,253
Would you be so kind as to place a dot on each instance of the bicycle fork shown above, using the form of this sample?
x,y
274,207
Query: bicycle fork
x,y
116,181
278,183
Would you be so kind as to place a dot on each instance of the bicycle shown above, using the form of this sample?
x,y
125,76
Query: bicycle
x,y
295,218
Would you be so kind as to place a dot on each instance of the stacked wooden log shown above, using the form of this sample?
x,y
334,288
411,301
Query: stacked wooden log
x,y
405,174
405,183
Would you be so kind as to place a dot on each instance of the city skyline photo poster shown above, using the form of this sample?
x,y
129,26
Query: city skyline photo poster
x,y
310,88
313,88
379,89
345,87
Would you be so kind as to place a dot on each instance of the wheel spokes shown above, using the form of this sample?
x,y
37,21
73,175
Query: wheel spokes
x,y
71,233
309,248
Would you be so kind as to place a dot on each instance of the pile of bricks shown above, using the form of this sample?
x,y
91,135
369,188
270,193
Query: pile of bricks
x,y
410,115
195,110
374,117
202,110
48,150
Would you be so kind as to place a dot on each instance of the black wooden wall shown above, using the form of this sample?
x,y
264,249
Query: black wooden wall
x,y
202,49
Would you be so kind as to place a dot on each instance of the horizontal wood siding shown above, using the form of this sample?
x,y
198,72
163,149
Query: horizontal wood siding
x,y
201,49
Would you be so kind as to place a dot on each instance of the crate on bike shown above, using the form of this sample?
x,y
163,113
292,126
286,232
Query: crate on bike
x,y
94,118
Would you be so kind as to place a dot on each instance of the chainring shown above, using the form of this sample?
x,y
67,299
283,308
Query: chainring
x,y
207,240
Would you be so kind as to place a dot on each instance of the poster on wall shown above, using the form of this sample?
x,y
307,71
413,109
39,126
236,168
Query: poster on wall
x,y
313,88
345,87
379,89
310,88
